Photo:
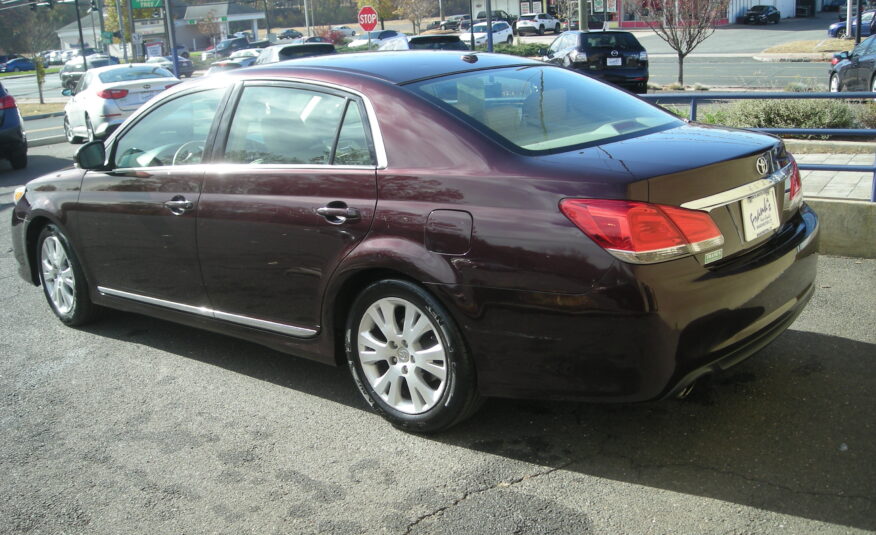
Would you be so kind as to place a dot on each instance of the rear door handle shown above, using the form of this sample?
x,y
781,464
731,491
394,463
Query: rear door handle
x,y
179,205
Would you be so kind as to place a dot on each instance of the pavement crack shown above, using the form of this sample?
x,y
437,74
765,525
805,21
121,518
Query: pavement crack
x,y
498,485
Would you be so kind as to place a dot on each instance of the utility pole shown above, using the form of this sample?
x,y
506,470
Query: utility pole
x,y
583,16
440,10
489,27
171,36
100,5
306,19
134,52
81,40
121,18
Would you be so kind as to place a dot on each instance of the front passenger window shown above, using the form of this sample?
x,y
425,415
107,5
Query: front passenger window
x,y
174,133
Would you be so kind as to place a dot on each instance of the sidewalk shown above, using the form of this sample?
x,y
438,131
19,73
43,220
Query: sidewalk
x,y
852,186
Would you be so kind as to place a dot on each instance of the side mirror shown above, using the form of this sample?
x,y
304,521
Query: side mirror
x,y
67,92
542,52
90,156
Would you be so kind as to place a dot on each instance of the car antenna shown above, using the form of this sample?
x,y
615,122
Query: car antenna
x,y
471,57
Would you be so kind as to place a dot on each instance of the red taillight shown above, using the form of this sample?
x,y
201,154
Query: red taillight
x,y
112,94
796,182
7,102
834,61
643,233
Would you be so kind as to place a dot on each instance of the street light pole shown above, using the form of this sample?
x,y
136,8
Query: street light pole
x,y
81,40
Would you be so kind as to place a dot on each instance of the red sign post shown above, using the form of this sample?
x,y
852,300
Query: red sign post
x,y
367,18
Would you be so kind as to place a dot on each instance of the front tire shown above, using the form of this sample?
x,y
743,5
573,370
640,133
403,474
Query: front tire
x,y
62,279
409,359
541,30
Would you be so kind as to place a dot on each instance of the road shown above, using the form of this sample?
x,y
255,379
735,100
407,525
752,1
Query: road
x,y
739,72
135,425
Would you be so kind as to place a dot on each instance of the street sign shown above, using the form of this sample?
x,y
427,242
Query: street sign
x,y
144,4
106,37
136,38
367,18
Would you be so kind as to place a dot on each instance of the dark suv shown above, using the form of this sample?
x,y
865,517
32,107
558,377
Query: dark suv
x,y
13,142
616,57
73,70
227,46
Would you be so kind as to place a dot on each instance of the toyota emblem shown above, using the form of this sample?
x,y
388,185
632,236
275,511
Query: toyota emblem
x,y
762,166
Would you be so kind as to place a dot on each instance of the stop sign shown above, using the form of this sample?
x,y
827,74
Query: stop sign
x,y
367,18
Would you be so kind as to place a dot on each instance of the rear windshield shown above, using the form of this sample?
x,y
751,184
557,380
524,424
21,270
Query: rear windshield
x,y
293,52
544,109
129,74
527,17
437,42
620,41
758,8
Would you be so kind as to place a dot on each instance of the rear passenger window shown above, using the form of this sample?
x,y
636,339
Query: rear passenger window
x,y
292,126
353,147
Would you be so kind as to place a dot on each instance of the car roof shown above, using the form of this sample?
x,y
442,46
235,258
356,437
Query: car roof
x,y
401,67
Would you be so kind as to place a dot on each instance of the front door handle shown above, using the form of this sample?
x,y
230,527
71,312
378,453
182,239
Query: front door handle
x,y
179,205
338,213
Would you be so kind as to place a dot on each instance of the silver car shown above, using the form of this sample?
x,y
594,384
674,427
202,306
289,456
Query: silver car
x,y
106,96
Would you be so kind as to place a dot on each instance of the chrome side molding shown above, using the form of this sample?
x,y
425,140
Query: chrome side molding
x,y
291,330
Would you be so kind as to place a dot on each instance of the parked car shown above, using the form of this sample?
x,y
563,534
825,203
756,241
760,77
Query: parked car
x,y
854,70
277,53
226,47
762,15
186,67
377,38
452,22
72,71
17,64
832,5
424,42
537,245
502,33
7,57
13,140
497,14
537,23
838,29
346,31
614,56
290,34
237,60
106,96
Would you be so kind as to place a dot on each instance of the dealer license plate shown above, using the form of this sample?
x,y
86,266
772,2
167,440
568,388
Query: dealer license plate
x,y
760,214
614,62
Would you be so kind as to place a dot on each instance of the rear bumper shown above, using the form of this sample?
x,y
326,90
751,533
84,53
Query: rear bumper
x,y
626,78
644,332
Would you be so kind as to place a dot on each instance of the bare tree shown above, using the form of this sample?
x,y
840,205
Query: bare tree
x,y
415,11
683,24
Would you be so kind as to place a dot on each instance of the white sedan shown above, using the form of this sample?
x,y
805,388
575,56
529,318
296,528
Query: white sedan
x,y
377,38
346,31
502,33
106,96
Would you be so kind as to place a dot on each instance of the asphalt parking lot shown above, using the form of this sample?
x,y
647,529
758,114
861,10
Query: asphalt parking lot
x,y
136,425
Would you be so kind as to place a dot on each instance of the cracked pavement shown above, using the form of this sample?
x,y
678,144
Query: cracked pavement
x,y
135,425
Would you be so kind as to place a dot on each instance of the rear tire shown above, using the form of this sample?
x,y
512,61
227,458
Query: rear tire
x,y
510,40
834,85
90,129
408,358
19,160
557,29
68,133
62,278
541,30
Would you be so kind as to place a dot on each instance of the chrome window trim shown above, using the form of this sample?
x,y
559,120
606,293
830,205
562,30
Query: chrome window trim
x,y
737,194
376,135
299,332
223,168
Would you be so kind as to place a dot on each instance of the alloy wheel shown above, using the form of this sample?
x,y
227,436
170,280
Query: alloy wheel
x,y
58,275
402,355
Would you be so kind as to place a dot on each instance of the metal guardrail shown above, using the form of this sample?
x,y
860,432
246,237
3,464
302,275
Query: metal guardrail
x,y
696,97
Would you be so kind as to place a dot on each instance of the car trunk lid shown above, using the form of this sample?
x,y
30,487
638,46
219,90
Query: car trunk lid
x,y
139,91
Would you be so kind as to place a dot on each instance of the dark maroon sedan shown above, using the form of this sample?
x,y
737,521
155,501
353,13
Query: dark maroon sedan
x,y
450,226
